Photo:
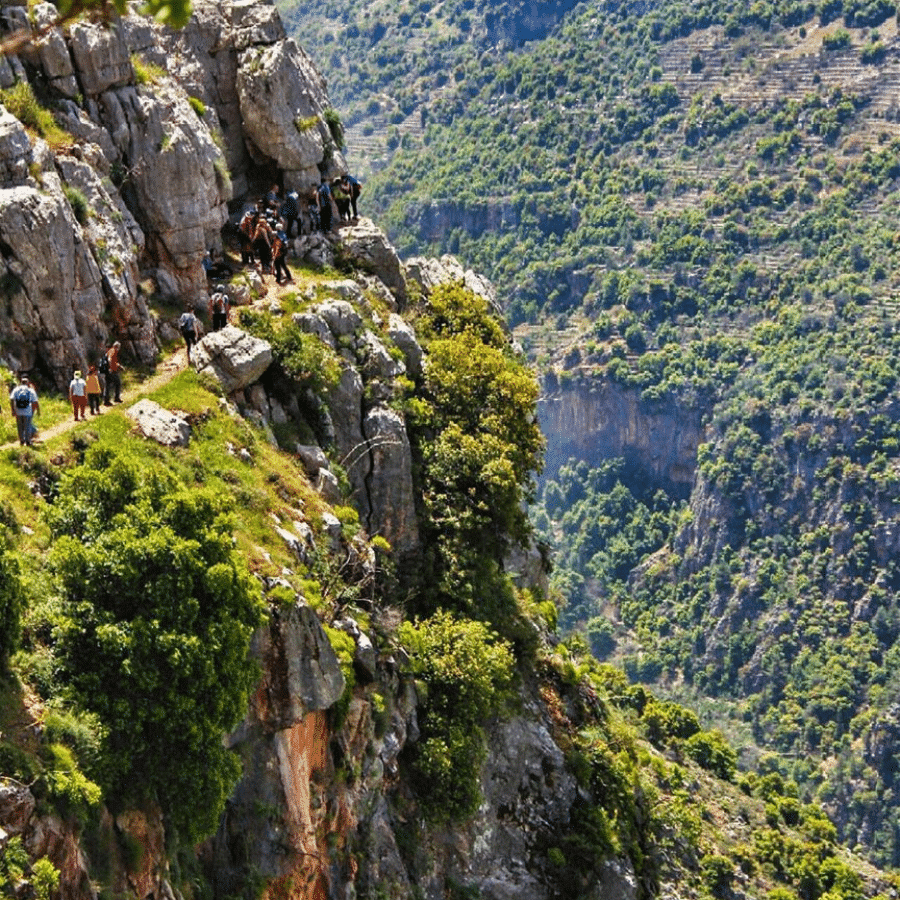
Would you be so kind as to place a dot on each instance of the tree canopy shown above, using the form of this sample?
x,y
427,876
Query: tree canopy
x,y
153,637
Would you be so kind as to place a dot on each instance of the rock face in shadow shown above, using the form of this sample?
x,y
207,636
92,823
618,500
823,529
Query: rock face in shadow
x,y
600,420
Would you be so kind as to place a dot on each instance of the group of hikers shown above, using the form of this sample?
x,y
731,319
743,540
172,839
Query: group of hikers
x,y
102,380
265,229
190,326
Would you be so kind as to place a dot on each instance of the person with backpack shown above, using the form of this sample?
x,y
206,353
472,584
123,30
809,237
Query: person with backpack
x,y
341,199
354,189
280,250
93,390
290,212
189,327
78,395
218,308
262,246
323,204
312,210
114,375
23,401
246,230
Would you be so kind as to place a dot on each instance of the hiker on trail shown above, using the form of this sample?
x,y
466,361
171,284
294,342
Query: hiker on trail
x,y
23,402
273,199
215,268
290,212
312,209
323,202
280,250
246,229
341,199
218,308
262,246
114,376
93,390
78,395
354,189
189,326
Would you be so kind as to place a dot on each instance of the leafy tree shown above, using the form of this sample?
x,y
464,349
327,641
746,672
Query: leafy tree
x,y
710,750
154,634
480,442
467,672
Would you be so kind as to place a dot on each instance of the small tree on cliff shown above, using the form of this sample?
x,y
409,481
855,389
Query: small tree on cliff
x,y
480,443
157,617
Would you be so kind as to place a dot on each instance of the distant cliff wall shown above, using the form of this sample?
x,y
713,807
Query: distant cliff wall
x,y
597,419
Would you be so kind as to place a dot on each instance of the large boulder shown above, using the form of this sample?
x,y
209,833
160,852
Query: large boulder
x,y
159,424
15,151
49,272
301,670
390,494
101,56
162,141
235,358
283,114
369,246
429,272
52,52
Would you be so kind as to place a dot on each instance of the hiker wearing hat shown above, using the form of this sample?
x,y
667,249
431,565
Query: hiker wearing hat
x,y
78,395
24,404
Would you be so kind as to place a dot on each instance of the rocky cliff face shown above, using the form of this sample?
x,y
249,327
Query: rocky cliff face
x,y
161,130
596,420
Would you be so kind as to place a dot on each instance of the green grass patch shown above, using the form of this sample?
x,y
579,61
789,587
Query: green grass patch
x,y
24,104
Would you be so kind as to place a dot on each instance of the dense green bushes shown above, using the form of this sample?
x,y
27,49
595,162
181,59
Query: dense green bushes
x,y
153,633
466,674
474,425
12,601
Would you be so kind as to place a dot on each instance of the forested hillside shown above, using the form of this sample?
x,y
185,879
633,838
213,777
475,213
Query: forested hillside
x,y
695,204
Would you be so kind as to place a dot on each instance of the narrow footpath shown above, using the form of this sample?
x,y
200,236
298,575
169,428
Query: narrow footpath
x,y
165,372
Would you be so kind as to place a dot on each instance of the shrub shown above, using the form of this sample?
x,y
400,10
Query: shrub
x,y
44,878
146,72
158,611
333,121
22,102
837,40
78,202
711,751
305,358
466,673
11,604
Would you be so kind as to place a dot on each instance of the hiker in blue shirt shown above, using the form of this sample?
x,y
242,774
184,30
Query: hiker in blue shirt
x,y
290,211
323,199
23,402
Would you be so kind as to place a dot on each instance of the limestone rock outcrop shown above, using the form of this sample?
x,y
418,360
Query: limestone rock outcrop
x,y
164,129
235,358
159,424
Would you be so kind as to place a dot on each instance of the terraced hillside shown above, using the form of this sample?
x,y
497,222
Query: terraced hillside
x,y
692,208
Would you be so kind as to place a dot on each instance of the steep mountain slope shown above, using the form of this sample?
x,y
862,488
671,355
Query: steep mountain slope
x,y
692,211
338,490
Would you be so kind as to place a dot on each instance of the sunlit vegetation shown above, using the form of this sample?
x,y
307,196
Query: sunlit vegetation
x,y
733,255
